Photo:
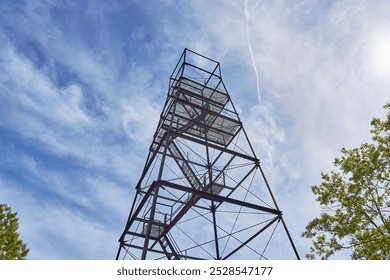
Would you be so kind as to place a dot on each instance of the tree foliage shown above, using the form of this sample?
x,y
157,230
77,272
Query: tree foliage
x,y
11,247
355,201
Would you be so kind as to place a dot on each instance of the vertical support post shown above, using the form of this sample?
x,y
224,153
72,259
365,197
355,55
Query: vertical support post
x,y
213,208
153,207
215,231
150,223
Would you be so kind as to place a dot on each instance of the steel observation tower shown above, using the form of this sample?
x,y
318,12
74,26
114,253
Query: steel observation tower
x,y
202,193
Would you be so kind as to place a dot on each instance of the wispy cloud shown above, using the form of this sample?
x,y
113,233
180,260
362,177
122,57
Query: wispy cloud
x,y
68,120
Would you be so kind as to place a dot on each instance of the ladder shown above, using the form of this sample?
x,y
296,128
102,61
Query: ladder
x,y
184,166
169,247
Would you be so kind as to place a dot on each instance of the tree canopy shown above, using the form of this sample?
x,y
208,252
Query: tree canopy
x,y
356,201
11,247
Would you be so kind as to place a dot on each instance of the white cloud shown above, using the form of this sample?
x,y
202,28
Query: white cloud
x,y
54,229
80,236
140,118
32,91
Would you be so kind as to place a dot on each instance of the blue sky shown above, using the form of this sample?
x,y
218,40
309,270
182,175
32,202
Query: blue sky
x,y
82,85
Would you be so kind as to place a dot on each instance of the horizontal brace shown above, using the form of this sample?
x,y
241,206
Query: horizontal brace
x,y
217,147
219,198
160,252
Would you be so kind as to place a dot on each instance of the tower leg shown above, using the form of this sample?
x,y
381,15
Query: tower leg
x,y
150,223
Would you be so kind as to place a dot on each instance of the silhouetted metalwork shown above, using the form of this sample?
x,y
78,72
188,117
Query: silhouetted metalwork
x,y
202,193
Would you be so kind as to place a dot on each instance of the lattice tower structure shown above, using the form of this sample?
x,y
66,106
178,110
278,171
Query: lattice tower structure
x,y
202,193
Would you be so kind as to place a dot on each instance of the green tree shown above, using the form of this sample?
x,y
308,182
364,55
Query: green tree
x,y
11,247
355,201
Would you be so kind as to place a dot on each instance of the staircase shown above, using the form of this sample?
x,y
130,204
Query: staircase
x,y
169,247
190,175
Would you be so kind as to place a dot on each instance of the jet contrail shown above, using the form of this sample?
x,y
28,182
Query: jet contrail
x,y
270,160
251,51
